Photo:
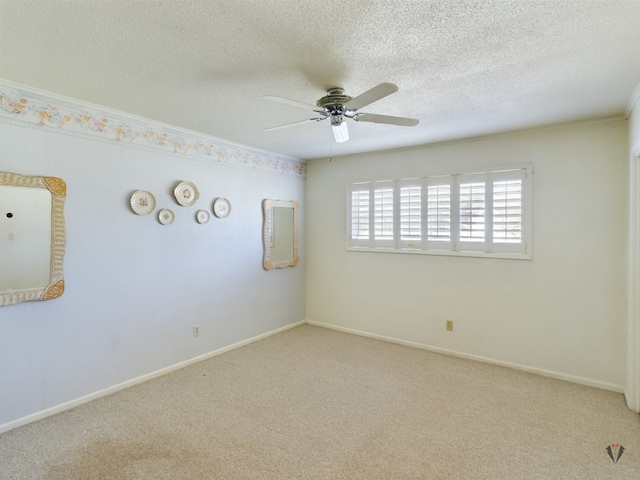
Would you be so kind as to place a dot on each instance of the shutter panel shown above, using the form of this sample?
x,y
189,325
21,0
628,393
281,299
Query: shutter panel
x,y
383,218
508,231
410,224
359,215
507,211
439,213
472,212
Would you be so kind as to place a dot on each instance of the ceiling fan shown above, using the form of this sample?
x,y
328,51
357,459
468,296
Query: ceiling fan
x,y
337,106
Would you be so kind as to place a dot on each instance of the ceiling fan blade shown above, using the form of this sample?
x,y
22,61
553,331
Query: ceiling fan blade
x,y
301,122
370,96
373,118
293,103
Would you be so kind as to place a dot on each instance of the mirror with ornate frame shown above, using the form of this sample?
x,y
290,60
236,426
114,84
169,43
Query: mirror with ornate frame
x,y
32,237
280,233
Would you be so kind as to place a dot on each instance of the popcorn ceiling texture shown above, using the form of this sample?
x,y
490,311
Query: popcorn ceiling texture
x,y
464,68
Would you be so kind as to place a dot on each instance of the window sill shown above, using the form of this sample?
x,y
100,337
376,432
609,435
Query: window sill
x,y
447,253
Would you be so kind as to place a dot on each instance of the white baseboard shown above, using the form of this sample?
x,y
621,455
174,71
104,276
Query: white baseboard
x,y
135,381
547,373
144,378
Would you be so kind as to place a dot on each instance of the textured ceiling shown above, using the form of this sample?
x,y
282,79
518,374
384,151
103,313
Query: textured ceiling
x,y
464,68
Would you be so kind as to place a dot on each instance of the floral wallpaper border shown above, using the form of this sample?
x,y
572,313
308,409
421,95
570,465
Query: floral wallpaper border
x,y
21,106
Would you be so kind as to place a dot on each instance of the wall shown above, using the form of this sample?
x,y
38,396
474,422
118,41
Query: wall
x,y
634,126
632,391
562,313
135,288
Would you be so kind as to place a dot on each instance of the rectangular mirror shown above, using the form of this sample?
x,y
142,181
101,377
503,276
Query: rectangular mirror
x,y
280,233
32,237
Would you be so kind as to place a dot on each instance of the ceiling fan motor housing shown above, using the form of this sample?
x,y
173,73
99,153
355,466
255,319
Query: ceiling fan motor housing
x,y
334,101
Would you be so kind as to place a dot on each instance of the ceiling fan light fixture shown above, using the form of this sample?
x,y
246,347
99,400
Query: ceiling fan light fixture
x,y
339,127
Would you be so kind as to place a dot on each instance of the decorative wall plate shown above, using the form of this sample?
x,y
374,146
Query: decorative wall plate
x,y
221,207
143,202
166,216
186,194
202,216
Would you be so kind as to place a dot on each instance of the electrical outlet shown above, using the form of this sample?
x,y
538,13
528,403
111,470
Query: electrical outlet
x,y
449,325
196,330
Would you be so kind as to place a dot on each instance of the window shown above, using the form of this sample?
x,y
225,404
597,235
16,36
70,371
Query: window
x,y
482,213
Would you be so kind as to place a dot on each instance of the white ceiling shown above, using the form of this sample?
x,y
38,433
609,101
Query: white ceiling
x,y
464,68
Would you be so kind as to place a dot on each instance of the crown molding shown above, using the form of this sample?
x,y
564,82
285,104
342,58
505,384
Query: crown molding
x,y
29,107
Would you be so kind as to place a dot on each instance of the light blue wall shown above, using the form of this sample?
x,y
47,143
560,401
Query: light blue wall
x,y
135,288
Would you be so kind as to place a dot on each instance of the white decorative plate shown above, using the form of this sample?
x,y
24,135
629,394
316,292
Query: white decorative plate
x,y
143,202
221,207
186,194
202,216
166,216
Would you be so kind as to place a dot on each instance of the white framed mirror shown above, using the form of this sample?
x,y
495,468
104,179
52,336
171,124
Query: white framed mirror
x,y
280,233
32,237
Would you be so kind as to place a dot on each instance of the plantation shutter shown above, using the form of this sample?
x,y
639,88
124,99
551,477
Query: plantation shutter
x,y
410,206
508,217
471,214
473,219
438,207
383,214
359,221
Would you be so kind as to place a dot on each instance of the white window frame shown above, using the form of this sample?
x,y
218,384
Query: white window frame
x,y
456,245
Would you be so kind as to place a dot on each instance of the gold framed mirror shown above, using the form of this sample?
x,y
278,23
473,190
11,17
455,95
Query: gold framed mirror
x,y
32,237
280,233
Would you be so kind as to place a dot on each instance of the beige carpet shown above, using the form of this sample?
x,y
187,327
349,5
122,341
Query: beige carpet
x,y
312,403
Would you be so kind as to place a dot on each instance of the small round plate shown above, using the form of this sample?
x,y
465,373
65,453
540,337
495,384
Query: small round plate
x,y
202,216
166,216
143,202
186,194
221,207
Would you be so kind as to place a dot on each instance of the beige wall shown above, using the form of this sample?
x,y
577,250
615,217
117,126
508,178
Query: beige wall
x,y
634,129
632,391
562,313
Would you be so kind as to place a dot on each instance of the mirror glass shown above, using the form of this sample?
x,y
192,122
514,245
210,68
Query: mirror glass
x,y
280,233
32,237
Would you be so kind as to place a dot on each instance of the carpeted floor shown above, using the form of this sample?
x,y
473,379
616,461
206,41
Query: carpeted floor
x,y
312,403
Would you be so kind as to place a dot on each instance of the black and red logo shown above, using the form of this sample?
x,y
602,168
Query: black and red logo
x,y
615,451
